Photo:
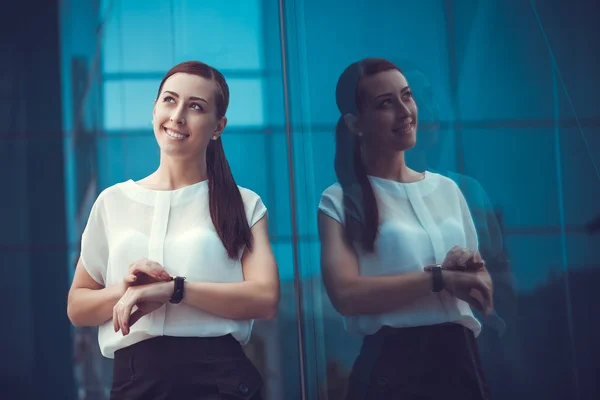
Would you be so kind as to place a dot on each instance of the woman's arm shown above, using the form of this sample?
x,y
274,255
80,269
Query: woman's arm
x,y
256,297
352,294
89,303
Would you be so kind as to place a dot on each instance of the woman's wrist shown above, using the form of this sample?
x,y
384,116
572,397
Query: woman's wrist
x,y
117,291
159,291
447,279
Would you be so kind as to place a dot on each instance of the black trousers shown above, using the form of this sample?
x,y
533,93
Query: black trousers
x,y
425,362
185,368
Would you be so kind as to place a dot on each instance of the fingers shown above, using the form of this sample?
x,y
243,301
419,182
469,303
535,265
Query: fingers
x,y
116,318
484,295
165,277
125,313
484,289
450,259
477,257
476,304
149,268
458,258
470,288
464,256
476,263
123,309
130,278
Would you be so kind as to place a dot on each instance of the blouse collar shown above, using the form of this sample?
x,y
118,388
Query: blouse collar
x,y
177,196
425,186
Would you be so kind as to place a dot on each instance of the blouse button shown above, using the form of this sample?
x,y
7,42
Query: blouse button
x,y
243,389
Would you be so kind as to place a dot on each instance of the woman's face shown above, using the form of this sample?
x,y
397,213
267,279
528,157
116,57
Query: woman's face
x,y
185,115
387,116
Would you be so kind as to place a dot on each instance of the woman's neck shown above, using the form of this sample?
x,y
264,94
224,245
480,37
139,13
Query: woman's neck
x,y
390,166
174,173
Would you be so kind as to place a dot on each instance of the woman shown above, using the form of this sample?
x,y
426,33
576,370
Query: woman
x,y
392,240
174,268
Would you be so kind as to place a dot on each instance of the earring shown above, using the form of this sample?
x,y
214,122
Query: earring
x,y
214,137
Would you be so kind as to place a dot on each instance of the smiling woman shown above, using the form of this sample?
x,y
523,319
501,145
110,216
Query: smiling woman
x,y
381,227
174,268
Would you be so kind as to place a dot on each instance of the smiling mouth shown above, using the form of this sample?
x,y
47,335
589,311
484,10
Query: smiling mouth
x,y
404,129
174,134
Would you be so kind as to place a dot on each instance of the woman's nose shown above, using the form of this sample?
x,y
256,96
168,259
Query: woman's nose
x,y
403,110
178,118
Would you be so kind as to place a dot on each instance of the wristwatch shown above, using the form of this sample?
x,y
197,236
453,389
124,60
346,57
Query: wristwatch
x,y
436,276
177,290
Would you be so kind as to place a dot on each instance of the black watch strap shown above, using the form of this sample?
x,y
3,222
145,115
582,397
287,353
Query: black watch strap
x,y
438,281
177,290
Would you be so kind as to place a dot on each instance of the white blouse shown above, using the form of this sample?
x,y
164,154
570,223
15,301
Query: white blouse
x,y
129,222
419,223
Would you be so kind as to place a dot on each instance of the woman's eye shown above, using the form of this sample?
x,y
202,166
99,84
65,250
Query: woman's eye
x,y
168,99
196,106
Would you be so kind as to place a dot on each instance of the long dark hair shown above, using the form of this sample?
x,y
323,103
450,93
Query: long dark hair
x,y
225,201
360,205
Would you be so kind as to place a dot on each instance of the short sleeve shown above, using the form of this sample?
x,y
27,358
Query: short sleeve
x,y
94,243
331,203
254,206
471,238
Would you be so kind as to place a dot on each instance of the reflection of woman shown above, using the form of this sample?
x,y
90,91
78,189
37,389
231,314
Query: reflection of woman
x,y
380,226
179,337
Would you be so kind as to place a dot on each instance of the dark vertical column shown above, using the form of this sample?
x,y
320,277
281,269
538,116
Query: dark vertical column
x,y
35,330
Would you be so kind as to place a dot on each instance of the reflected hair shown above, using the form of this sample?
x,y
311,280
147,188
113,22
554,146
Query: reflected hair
x,y
360,205
225,200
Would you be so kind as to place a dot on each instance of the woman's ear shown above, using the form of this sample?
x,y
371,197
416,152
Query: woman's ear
x,y
219,128
351,123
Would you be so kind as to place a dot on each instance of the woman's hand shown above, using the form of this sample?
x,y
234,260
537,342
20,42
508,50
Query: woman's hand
x,y
462,259
144,272
147,298
470,287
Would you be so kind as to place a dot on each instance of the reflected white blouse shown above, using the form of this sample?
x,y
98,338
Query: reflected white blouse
x,y
129,222
419,223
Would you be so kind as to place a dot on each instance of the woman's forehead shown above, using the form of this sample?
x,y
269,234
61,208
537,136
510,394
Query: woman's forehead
x,y
190,85
391,81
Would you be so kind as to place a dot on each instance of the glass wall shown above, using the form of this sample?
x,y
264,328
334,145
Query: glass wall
x,y
505,92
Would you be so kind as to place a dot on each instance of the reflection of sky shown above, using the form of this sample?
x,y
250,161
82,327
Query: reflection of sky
x,y
152,36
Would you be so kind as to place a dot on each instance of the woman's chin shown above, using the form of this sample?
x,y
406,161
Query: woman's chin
x,y
405,143
171,150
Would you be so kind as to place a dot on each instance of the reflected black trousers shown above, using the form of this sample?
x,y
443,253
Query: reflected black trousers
x,y
185,368
419,363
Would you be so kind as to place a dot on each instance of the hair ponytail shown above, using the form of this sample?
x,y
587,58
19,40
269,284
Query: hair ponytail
x,y
361,213
360,204
225,202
